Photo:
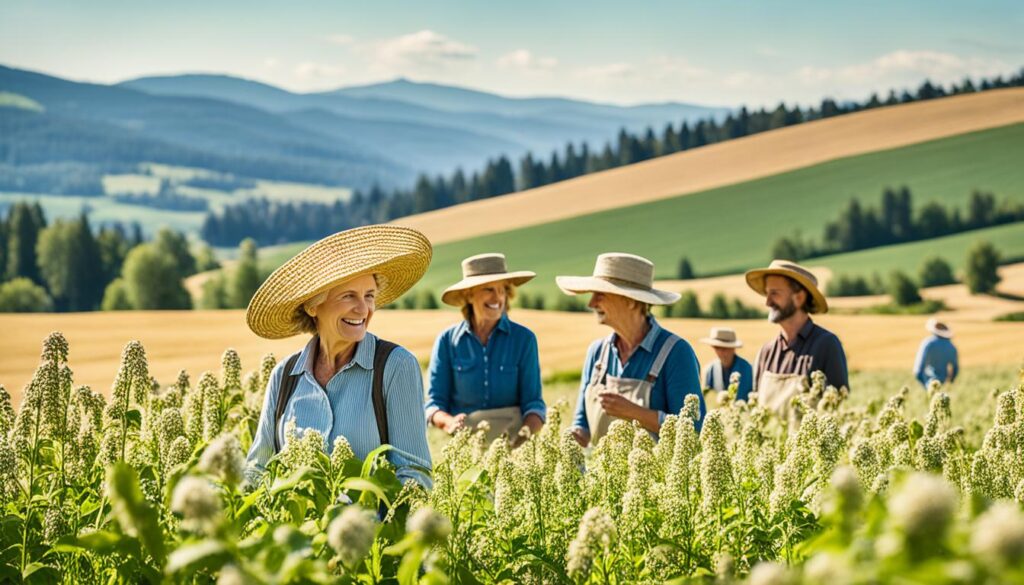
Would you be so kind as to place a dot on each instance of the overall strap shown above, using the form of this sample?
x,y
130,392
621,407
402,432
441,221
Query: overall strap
x,y
601,365
285,389
659,361
380,358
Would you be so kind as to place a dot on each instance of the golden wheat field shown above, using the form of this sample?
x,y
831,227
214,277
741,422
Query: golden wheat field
x,y
195,340
727,163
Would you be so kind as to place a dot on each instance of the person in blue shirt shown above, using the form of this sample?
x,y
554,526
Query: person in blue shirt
x,y
641,372
486,367
937,357
345,382
717,374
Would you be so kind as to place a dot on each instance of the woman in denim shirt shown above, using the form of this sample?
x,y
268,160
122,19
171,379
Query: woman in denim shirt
x,y
485,368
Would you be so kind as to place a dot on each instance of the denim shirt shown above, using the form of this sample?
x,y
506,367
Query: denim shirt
x,y
740,366
932,359
345,408
679,376
466,376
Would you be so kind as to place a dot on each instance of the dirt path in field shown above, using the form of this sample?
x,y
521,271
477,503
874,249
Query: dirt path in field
x,y
736,161
195,340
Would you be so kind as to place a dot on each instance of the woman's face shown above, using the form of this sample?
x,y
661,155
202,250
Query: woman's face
x,y
346,312
610,309
488,300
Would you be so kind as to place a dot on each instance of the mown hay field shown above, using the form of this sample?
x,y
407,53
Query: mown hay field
x,y
195,340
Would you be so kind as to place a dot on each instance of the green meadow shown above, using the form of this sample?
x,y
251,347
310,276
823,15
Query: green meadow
x,y
731,229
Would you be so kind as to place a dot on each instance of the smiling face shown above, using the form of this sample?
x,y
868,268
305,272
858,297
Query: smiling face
x,y
346,312
489,300
611,309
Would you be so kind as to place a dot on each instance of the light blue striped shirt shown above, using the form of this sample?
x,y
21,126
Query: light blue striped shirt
x,y
345,408
934,359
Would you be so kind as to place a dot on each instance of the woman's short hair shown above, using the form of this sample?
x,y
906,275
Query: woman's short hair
x,y
467,307
306,321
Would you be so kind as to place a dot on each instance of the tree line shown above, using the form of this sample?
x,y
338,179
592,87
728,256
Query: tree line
x,y
895,221
278,222
68,265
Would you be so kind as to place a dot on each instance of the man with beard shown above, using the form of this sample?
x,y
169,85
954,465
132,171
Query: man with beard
x,y
783,364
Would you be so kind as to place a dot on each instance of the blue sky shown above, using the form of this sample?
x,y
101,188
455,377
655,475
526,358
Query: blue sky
x,y
720,53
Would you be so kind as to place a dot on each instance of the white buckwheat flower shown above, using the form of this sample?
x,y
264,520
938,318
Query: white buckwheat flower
x,y
223,459
351,534
196,500
998,535
432,527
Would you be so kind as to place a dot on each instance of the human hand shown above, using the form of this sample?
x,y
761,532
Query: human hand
x,y
454,423
617,405
581,435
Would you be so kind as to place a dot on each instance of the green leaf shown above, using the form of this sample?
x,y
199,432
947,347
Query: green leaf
x,y
286,483
124,490
371,458
100,541
409,569
32,568
366,485
206,554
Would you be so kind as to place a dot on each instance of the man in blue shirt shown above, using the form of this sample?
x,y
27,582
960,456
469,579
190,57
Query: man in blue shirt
x,y
718,373
937,358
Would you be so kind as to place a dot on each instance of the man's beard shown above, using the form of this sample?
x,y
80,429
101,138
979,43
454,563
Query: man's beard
x,y
778,315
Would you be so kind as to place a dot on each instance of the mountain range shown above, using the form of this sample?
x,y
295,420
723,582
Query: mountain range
x,y
354,136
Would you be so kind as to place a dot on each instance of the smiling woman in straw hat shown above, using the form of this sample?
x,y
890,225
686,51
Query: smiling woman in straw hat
x,y
485,368
640,372
717,374
345,382
937,358
784,364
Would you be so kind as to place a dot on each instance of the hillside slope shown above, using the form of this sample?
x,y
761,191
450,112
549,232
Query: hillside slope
x,y
728,163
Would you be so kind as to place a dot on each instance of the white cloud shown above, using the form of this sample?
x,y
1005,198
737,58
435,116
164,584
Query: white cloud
x,y
341,39
900,68
425,49
311,71
676,68
524,60
271,62
608,72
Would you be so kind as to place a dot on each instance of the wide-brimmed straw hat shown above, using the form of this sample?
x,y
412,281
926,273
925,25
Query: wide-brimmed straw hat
x,y
481,269
755,278
938,328
722,337
398,256
620,274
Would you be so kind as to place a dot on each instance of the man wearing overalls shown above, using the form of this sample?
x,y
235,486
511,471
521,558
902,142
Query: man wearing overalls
x,y
783,364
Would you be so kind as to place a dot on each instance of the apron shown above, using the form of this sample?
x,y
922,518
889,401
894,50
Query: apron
x,y
636,391
775,391
501,420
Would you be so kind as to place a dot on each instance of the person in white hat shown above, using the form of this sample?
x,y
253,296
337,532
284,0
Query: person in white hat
x,y
784,364
486,367
718,373
937,358
640,372
345,382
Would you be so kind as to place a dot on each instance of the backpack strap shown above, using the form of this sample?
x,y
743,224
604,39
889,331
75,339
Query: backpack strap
x,y
285,389
380,358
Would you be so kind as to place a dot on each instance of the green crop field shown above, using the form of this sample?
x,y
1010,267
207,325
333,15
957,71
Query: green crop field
x,y
732,228
1008,239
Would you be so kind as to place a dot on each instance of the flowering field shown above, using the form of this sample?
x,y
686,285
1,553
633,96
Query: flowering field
x,y
147,487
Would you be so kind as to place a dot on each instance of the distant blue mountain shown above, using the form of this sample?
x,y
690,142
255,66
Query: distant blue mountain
x,y
500,125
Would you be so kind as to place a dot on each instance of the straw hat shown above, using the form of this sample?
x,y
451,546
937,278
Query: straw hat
x,y
398,256
722,337
938,328
755,278
620,274
481,269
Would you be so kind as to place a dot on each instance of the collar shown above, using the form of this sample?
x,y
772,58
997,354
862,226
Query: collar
x,y
647,343
363,356
805,331
463,328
